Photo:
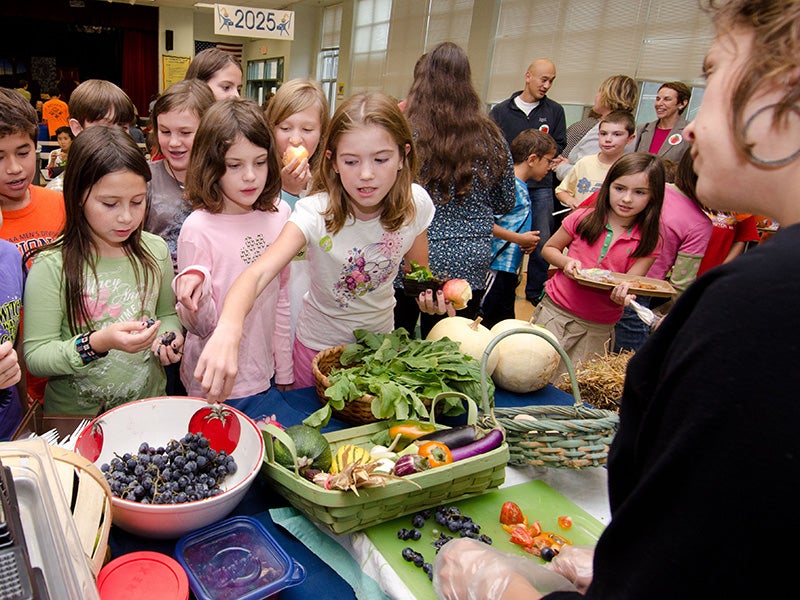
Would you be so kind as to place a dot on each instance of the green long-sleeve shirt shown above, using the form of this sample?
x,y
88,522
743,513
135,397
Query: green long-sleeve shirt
x,y
49,347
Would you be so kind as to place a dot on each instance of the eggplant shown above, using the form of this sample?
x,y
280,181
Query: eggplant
x,y
490,441
410,464
453,437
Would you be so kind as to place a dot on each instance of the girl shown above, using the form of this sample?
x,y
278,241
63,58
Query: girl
x,y
219,70
92,292
297,115
467,169
233,187
175,116
619,234
365,217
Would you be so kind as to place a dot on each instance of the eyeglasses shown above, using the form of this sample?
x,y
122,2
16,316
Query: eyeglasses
x,y
552,162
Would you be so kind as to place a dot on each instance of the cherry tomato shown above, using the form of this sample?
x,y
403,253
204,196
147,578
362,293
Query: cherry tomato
x,y
511,513
90,442
521,536
220,426
565,522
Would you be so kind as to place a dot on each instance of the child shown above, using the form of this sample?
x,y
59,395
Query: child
x,y
616,131
730,234
533,152
96,102
32,215
233,186
58,158
175,116
219,70
619,234
12,396
298,116
366,216
90,293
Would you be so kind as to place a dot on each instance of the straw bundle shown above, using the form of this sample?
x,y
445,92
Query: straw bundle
x,y
600,380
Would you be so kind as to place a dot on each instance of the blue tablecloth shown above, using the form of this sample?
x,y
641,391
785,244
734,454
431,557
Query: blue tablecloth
x,y
291,408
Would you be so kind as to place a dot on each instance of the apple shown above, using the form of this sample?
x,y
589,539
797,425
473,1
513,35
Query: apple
x,y
458,292
294,152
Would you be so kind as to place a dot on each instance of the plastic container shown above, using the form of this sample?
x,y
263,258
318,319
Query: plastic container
x,y
150,575
236,559
52,540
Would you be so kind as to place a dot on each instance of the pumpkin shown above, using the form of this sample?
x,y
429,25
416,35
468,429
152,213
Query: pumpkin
x,y
525,363
313,450
471,336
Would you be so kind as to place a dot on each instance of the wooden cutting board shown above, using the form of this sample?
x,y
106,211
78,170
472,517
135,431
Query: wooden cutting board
x,y
537,500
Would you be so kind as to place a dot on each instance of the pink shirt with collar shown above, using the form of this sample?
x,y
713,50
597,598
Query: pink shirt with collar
x,y
583,301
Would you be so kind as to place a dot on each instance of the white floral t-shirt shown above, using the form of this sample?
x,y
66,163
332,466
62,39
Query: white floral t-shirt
x,y
351,272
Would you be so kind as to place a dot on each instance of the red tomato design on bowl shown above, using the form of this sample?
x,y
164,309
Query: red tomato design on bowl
x,y
220,426
90,441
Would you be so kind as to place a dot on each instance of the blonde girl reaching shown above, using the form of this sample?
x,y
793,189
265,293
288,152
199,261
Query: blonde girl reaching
x,y
233,186
297,115
100,318
365,216
620,233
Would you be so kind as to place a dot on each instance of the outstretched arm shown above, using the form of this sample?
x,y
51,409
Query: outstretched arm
x,y
218,364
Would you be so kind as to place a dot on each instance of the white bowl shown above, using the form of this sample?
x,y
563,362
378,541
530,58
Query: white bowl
x,y
157,421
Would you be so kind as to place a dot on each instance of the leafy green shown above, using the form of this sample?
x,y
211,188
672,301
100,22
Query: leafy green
x,y
419,272
399,372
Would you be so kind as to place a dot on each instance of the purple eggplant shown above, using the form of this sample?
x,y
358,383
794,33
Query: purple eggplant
x,y
453,437
410,464
490,441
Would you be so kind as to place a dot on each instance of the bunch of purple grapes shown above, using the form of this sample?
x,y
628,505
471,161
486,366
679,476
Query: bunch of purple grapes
x,y
184,471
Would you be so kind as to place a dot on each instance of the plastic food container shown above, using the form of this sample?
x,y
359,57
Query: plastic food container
x,y
150,575
236,559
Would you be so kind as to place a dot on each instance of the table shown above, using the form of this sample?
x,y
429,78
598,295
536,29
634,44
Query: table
x,y
587,488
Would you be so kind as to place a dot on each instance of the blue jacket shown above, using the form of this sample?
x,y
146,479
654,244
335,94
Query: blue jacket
x,y
548,116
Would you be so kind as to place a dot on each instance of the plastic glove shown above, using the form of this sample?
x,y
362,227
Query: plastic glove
x,y
466,569
575,563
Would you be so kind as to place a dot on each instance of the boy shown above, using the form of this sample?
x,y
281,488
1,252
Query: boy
x,y
617,129
55,113
32,215
96,102
533,153
12,396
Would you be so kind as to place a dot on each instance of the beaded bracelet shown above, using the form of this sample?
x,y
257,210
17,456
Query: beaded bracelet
x,y
84,348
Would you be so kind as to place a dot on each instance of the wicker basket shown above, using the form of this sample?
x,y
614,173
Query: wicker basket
x,y
355,412
551,436
343,512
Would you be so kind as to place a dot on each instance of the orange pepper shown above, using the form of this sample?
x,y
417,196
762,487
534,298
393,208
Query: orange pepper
x,y
436,452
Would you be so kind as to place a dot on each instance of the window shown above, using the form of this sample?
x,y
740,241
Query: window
x,y
264,77
589,40
328,63
370,40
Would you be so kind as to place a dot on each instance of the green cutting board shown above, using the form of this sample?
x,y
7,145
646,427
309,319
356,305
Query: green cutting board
x,y
537,500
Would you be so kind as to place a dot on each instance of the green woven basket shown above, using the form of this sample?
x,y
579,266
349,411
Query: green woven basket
x,y
343,512
551,436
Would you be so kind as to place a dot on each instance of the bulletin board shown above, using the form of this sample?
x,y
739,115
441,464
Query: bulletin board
x,y
173,69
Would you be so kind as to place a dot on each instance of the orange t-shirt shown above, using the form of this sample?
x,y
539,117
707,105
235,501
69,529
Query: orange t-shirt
x,y
55,113
30,227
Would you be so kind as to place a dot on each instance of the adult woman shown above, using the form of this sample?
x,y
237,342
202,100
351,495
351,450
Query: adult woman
x,y
618,92
467,170
678,469
665,136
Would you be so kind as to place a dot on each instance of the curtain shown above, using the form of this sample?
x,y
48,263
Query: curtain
x,y
140,67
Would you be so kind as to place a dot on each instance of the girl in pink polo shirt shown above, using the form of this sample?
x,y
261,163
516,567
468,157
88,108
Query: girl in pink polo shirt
x,y
620,234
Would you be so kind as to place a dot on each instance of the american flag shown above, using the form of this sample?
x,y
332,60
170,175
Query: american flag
x,y
234,50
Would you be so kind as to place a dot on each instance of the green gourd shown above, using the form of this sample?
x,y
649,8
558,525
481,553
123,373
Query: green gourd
x,y
313,450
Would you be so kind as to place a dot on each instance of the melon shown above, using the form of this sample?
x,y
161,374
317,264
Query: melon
x,y
313,450
525,362
471,336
